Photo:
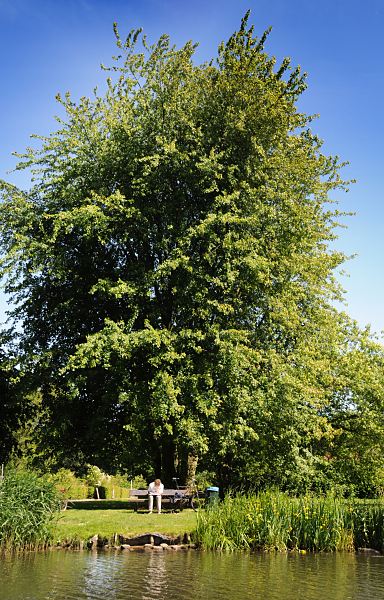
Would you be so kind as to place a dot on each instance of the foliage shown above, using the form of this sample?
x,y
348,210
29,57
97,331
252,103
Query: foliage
x,y
121,480
29,507
95,476
272,520
205,479
70,486
80,488
139,482
173,276
8,414
108,486
356,413
12,407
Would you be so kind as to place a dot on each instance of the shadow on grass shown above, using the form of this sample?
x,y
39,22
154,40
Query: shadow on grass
x,y
106,505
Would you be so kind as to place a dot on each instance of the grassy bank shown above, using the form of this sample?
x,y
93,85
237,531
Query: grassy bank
x,y
76,525
275,521
266,521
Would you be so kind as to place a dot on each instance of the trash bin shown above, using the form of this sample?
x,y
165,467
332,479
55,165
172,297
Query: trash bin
x,y
212,495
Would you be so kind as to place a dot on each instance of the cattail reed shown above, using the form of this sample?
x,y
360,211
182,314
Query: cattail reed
x,y
29,506
273,520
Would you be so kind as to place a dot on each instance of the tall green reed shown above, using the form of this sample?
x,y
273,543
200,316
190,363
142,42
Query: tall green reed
x,y
273,520
368,519
29,506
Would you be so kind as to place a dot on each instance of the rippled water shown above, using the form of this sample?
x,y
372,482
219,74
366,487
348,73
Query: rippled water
x,y
61,575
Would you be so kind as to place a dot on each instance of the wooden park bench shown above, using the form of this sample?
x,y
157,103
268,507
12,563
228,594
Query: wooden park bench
x,y
170,498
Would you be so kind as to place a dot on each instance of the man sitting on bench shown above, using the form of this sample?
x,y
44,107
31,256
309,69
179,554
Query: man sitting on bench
x,y
155,489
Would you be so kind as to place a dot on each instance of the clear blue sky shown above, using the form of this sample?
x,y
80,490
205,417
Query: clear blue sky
x,y
49,46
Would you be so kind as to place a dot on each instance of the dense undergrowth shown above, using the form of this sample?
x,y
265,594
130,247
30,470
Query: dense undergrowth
x,y
275,521
29,507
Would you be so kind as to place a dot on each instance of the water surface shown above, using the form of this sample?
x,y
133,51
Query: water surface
x,y
62,575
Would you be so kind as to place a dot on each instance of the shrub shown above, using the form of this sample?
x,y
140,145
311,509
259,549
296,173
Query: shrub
x,y
205,479
139,482
70,486
108,486
95,476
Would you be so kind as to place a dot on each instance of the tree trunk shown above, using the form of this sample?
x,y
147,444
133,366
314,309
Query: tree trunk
x,y
168,463
191,469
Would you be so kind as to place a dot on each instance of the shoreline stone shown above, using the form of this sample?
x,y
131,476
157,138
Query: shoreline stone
x,y
369,551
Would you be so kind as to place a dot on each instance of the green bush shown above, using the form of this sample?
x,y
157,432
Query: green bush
x,y
205,479
29,506
70,486
75,488
121,481
108,486
116,490
95,476
139,482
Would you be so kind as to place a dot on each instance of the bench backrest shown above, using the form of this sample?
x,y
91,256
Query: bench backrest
x,y
167,492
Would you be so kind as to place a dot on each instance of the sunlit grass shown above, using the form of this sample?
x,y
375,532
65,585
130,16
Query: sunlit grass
x,y
82,524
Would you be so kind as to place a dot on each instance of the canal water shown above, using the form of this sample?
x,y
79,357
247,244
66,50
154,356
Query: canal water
x,y
62,575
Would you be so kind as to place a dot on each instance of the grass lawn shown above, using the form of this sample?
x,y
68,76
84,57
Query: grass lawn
x,y
82,523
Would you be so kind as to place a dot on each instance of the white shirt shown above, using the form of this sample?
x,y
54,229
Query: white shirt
x,y
154,490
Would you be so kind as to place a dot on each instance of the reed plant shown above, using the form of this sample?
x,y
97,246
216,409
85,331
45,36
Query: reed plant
x,y
29,507
272,520
368,518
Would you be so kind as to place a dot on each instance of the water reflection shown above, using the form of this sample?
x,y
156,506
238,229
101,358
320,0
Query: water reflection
x,y
156,577
61,575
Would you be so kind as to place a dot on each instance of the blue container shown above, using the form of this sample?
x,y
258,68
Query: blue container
x,y
212,494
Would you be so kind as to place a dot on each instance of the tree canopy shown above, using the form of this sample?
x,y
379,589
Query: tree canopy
x,y
174,278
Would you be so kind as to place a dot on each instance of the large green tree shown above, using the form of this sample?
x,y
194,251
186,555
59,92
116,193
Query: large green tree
x,y
172,270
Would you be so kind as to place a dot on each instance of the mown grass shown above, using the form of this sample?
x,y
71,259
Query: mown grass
x,y
77,525
275,521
